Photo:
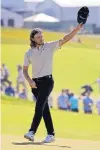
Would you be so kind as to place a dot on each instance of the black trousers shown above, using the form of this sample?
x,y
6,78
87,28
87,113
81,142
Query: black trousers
x,y
44,88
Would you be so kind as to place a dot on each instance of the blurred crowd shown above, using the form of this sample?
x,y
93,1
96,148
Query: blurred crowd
x,y
67,100
70,102
6,85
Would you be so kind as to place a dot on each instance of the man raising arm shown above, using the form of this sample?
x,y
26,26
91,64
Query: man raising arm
x,y
62,41
40,55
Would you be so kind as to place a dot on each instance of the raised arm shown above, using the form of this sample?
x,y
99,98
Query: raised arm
x,y
69,36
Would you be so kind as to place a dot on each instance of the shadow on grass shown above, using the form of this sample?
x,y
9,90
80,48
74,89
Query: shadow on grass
x,y
40,143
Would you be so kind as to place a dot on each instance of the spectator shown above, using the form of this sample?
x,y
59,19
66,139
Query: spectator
x,y
23,95
10,90
79,40
73,103
98,106
20,79
0,78
97,81
1,73
4,75
87,102
88,89
63,101
68,93
50,101
33,97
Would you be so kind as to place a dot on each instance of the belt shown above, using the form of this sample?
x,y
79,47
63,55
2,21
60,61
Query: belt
x,y
42,78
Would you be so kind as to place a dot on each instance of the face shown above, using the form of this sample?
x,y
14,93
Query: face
x,y
38,38
3,65
63,92
87,94
10,84
67,91
23,90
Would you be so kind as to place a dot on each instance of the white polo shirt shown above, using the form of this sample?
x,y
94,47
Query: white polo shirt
x,y
41,59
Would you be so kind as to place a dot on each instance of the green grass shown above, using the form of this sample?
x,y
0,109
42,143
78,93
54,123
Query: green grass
x,y
17,116
74,65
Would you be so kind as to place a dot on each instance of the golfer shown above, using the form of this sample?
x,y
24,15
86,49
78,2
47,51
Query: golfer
x,y
40,56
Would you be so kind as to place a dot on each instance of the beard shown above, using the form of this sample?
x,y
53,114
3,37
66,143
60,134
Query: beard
x,y
34,43
40,43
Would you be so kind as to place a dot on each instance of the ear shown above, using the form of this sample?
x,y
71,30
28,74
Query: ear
x,y
32,39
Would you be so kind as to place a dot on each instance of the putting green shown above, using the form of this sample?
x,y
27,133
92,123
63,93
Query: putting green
x,y
17,116
19,143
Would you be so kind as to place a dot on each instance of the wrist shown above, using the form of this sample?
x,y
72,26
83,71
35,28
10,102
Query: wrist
x,y
29,79
77,29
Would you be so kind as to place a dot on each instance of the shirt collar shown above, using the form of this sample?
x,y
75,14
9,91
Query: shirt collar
x,y
40,47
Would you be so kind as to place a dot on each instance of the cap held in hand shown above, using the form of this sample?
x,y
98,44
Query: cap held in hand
x,y
82,15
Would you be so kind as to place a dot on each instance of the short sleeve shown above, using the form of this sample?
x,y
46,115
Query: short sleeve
x,y
53,45
26,59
